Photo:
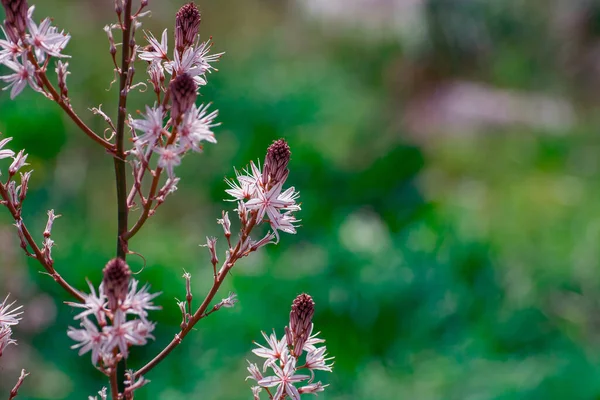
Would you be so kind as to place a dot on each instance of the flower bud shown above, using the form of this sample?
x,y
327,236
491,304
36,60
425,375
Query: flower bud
x,y
24,185
50,223
157,75
211,243
187,24
276,161
183,95
226,223
61,73
18,162
16,18
116,282
303,309
313,388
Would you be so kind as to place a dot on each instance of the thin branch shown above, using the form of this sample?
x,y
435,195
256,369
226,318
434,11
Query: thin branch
x,y
38,253
13,392
200,313
41,72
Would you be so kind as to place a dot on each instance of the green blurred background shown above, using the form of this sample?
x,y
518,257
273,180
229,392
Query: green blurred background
x,y
447,156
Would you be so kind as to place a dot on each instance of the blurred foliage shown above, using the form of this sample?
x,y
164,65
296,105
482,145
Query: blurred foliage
x,y
443,266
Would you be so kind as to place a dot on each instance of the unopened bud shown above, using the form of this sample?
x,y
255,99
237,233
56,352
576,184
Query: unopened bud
x,y
16,18
61,73
51,218
276,161
13,193
183,95
187,24
303,309
211,243
313,388
157,75
47,250
226,224
256,392
23,241
188,287
24,184
116,282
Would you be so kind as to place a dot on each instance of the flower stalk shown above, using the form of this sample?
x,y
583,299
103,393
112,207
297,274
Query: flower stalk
x,y
114,316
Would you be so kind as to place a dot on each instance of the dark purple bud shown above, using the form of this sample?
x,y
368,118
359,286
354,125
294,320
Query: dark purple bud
x,y
16,18
183,95
303,309
187,24
276,161
116,282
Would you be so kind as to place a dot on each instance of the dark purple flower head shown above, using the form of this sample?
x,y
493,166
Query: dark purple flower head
x,y
16,18
183,95
303,309
116,282
276,161
187,24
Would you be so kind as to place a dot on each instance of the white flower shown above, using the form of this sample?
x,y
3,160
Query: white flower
x,y
277,350
45,38
285,223
23,74
18,162
151,125
8,316
94,304
247,185
194,62
10,49
124,333
5,338
271,202
285,378
159,50
196,127
312,340
169,158
137,302
316,359
227,302
89,338
6,152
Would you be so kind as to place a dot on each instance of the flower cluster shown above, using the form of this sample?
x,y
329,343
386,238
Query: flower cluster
x,y
8,317
174,125
260,194
27,45
110,329
190,55
283,357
